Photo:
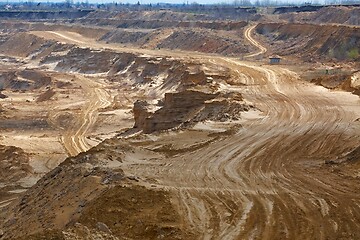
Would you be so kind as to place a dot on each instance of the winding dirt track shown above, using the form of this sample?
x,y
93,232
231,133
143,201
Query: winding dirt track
x,y
247,34
74,139
268,181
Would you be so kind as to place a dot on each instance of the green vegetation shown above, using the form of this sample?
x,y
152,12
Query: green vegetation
x,y
353,53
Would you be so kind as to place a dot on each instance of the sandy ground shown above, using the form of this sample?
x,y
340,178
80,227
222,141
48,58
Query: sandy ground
x,y
62,126
266,181
247,34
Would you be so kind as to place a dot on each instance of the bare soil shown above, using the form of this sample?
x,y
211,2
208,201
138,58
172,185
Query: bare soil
x,y
214,148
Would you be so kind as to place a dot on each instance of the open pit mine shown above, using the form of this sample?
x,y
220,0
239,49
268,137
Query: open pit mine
x,y
180,123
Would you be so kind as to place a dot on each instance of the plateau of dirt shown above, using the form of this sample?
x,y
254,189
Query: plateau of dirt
x,y
173,125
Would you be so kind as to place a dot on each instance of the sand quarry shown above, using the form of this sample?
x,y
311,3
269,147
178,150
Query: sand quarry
x,y
170,128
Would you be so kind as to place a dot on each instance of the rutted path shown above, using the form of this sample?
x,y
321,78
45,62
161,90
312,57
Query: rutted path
x,y
75,140
268,181
247,35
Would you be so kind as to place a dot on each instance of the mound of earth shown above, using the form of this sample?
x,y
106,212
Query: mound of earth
x,y
47,95
27,79
14,164
205,41
311,42
89,196
21,45
197,39
349,15
160,24
9,28
336,79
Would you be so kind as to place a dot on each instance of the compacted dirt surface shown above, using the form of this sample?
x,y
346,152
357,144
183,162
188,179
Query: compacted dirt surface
x,y
175,144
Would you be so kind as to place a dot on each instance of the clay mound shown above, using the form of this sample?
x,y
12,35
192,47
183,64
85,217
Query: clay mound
x,y
313,41
157,73
14,164
339,14
343,14
342,79
332,81
86,198
204,41
28,45
209,19
121,36
21,44
46,95
39,79
135,212
27,79
9,80
75,182
83,60
197,38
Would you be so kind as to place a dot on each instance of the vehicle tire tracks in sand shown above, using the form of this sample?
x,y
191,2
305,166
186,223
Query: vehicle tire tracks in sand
x,y
268,180
247,34
74,140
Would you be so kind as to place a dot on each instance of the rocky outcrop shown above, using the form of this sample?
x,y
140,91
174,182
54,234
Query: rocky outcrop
x,y
178,108
347,82
140,112
188,107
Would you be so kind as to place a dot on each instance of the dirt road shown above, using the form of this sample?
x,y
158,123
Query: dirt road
x,y
74,140
269,180
247,35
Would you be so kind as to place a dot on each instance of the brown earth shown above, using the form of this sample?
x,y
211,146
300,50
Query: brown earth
x,y
284,169
14,164
337,82
348,15
101,201
312,42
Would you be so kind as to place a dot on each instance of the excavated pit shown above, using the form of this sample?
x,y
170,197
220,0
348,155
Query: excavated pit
x,y
103,140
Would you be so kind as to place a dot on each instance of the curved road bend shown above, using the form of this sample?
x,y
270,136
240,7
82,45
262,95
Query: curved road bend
x,y
247,34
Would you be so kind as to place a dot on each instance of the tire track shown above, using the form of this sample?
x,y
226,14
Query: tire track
x,y
247,35
74,140
268,180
